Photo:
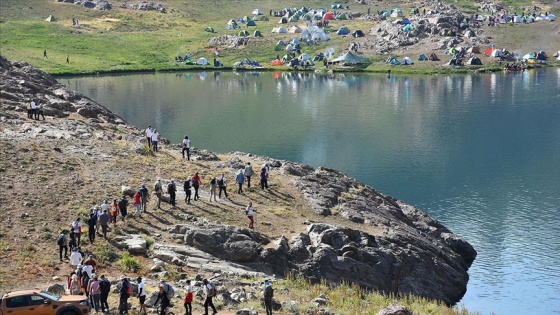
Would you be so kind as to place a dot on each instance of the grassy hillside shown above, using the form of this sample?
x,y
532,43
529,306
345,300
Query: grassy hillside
x,y
128,40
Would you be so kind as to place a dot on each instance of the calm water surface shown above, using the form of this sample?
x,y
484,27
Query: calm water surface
x,y
480,153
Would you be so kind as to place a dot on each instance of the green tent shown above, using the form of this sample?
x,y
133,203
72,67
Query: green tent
x,y
209,29
246,18
306,17
341,16
243,33
50,19
188,61
257,33
251,23
264,18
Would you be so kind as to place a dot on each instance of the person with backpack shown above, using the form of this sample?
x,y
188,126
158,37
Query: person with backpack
x,y
124,294
167,288
114,212
162,296
240,179
96,213
171,189
76,227
187,148
268,293
122,207
196,183
158,190
141,294
62,243
213,185
72,242
210,292
104,222
187,188
188,298
222,186
248,172
105,286
144,197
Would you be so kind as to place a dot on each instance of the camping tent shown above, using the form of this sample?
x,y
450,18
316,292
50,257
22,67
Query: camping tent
x,y
277,62
517,19
406,61
405,21
394,62
497,53
349,58
243,33
294,18
396,13
422,57
358,33
469,33
474,61
283,20
231,25
209,29
257,12
251,23
257,33
407,28
246,18
202,61
328,16
341,16
51,18
320,36
337,6
294,29
473,50
279,30
551,17
343,31
304,56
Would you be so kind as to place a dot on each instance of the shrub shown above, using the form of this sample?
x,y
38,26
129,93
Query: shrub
x,y
104,253
129,263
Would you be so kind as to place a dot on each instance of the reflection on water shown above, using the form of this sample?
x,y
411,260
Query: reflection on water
x,y
481,153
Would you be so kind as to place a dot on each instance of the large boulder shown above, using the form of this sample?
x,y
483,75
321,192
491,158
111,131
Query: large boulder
x,y
133,243
57,289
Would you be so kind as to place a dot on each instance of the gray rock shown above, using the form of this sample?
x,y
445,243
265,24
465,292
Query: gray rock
x,y
394,309
133,243
57,289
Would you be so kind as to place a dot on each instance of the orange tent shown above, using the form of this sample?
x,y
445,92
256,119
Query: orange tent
x,y
276,75
277,62
328,16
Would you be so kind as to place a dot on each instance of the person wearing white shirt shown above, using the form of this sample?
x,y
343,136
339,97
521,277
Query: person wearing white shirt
x,y
188,298
186,147
88,269
149,135
33,106
155,136
222,186
250,212
141,294
77,230
75,258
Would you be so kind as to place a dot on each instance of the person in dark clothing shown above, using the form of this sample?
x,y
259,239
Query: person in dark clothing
x,y
162,296
105,286
222,186
63,244
72,242
209,291
143,196
187,188
171,189
91,227
195,182
264,178
122,207
123,298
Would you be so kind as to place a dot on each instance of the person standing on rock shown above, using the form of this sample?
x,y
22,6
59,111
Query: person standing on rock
x,y
250,212
114,211
141,294
240,179
77,229
222,186
188,298
213,186
195,182
155,137
158,190
33,107
63,244
171,189
137,204
268,293
248,172
104,223
210,292
149,132
40,111
144,197
122,207
187,148
264,179
187,188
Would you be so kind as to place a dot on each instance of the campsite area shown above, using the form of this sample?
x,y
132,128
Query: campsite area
x,y
136,36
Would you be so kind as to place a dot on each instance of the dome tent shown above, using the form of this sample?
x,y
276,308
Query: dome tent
x,y
257,12
257,33
251,23
209,29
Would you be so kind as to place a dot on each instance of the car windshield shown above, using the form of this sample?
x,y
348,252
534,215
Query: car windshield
x,y
49,295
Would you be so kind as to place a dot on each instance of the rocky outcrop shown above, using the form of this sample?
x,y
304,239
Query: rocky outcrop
x,y
134,244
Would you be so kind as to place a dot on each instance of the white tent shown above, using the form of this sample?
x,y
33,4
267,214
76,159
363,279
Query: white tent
x,y
557,55
517,19
320,36
304,56
202,61
551,17
406,61
294,29
257,12
497,53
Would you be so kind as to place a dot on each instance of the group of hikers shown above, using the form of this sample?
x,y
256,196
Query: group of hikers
x,y
35,110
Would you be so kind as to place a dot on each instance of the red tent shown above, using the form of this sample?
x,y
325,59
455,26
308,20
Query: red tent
x,y
328,16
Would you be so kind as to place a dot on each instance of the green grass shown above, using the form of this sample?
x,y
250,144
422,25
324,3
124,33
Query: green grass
x,y
129,263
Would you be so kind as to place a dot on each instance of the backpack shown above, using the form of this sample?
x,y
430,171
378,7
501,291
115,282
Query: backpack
x,y
128,289
268,292
188,297
213,181
105,286
170,188
60,240
212,291
221,181
156,187
170,291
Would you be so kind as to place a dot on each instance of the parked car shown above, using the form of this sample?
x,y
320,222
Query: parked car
x,y
36,302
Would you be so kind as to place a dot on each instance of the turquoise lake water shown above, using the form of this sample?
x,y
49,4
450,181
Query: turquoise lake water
x,y
480,153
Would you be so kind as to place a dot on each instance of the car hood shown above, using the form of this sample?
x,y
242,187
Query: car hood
x,y
72,298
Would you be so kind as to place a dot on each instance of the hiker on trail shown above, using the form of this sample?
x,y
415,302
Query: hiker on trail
x,y
158,190
91,222
67,59
144,197
122,207
124,294
33,107
186,147
250,212
266,166
95,291
268,293
149,132
155,137
74,285
90,261
210,292
114,211
75,258
76,227
195,182
105,285
137,204
63,244
222,185
248,172
45,54
240,179
141,294
213,186
72,242
40,111
187,188
104,223
264,179
171,189
162,296
188,298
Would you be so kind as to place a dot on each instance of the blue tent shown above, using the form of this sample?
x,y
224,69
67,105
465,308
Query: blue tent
x,y
343,31
405,21
422,57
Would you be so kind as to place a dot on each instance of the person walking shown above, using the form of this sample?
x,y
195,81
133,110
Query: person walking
x,y
77,229
188,298
187,188
158,189
122,207
210,292
162,296
171,189
91,222
105,287
155,137
63,244
264,178
268,293
124,294
144,197
45,54
75,258
248,172
149,132
95,291
137,204
250,212
74,286
240,179
213,186
114,211
104,223
222,186
187,148
196,184
72,242
141,294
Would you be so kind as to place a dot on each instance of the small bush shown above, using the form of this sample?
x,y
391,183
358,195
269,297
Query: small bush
x,y
129,263
104,253
149,240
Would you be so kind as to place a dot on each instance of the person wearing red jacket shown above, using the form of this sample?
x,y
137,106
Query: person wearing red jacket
x,y
137,203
